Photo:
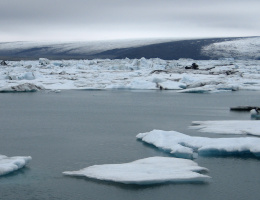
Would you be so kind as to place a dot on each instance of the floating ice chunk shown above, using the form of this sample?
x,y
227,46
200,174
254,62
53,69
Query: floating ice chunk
x,y
44,61
10,164
158,80
211,88
255,114
117,87
204,89
25,87
141,85
189,79
228,87
228,127
172,85
146,171
141,63
181,145
27,76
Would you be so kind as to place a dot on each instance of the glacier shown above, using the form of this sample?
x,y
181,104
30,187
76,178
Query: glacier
x,y
132,74
152,170
76,47
189,147
244,48
239,127
11,164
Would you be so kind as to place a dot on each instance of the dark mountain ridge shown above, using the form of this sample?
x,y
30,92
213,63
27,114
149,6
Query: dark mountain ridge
x,y
172,50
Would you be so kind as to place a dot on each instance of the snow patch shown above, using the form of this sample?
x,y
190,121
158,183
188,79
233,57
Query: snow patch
x,y
172,85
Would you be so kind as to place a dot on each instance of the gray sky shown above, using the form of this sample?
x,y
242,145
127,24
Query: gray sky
x,y
72,20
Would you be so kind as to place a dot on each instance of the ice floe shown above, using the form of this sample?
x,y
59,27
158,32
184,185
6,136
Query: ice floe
x,y
185,146
248,127
10,164
142,74
151,170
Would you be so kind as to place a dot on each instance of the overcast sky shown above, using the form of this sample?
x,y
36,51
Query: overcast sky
x,y
73,20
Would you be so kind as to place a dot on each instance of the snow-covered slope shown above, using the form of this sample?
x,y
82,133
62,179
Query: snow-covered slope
x,y
172,48
246,48
14,50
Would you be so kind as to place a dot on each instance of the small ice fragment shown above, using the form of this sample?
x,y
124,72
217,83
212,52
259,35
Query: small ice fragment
x,y
10,164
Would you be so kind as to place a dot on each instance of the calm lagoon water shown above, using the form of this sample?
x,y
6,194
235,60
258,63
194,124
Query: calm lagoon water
x,y
75,129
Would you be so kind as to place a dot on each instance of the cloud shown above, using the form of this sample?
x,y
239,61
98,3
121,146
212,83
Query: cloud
x,y
80,19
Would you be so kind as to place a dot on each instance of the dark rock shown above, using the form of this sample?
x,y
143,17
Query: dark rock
x,y
193,66
3,63
244,108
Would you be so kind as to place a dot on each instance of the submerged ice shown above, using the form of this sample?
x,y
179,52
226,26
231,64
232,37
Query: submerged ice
x,y
146,171
185,146
10,164
248,127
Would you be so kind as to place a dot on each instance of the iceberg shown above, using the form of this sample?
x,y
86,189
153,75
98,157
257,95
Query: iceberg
x,y
141,85
171,85
255,113
11,164
25,87
27,76
44,61
153,170
185,146
134,74
240,127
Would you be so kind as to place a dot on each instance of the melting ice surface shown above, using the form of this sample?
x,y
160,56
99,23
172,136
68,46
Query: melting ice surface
x,y
228,127
146,171
148,74
185,146
10,164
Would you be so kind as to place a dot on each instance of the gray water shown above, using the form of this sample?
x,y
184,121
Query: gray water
x,y
75,129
